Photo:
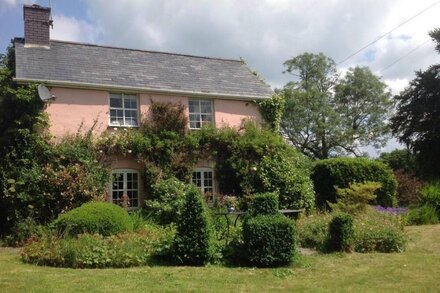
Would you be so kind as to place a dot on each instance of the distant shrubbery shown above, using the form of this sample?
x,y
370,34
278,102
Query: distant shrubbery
x,y
341,172
427,209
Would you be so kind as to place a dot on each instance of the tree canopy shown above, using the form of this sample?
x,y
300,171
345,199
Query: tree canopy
x,y
327,116
417,119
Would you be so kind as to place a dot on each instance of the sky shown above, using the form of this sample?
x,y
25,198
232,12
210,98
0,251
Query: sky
x,y
265,33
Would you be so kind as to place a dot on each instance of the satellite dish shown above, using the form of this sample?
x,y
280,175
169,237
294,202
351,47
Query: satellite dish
x,y
44,93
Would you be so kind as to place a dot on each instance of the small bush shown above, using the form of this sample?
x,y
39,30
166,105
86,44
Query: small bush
x,y
264,204
374,231
341,233
194,239
342,172
269,240
312,230
95,217
95,251
166,200
422,215
355,198
408,188
381,232
430,195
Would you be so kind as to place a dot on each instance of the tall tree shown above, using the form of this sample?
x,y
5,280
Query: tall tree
x,y
309,121
364,105
417,119
327,117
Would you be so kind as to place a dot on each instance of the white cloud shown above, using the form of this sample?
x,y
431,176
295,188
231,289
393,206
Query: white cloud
x,y
71,29
13,3
266,33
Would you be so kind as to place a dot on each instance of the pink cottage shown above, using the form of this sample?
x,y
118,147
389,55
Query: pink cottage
x,y
114,86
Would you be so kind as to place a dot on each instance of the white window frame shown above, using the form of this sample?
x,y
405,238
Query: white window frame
x,y
123,109
125,189
202,179
200,113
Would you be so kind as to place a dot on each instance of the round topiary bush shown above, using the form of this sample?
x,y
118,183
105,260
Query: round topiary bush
x,y
269,240
341,172
104,218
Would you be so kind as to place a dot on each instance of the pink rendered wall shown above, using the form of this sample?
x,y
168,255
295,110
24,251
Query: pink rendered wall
x,y
232,112
73,107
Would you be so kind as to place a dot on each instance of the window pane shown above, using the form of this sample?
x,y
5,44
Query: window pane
x,y
206,118
206,107
194,106
194,125
130,102
115,101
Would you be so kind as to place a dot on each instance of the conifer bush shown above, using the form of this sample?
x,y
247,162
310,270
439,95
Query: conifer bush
x,y
193,244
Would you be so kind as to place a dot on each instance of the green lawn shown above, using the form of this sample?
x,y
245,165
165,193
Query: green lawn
x,y
416,270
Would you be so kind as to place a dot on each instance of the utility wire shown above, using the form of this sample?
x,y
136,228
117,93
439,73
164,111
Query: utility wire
x,y
404,56
387,33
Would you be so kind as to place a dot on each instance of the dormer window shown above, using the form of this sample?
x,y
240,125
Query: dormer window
x,y
124,110
200,113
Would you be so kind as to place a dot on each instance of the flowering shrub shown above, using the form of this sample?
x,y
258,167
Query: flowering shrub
x,y
374,231
96,251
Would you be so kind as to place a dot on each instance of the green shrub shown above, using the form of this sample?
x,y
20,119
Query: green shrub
x,y
167,198
430,195
355,198
194,238
381,232
374,231
263,204
402,160
269,240
95,217
422,215
257,160
342,172
312,230
341,233
95,251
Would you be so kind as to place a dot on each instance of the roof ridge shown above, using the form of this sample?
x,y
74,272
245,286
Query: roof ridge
x,y
147,51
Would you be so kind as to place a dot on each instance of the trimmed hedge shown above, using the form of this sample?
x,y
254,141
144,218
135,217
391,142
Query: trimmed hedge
x,y
341,172
194,239
264,204
269,240
341,233
103,218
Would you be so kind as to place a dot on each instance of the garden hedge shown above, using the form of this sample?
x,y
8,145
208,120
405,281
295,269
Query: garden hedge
x,y
103,218
341,233
341,172
264,204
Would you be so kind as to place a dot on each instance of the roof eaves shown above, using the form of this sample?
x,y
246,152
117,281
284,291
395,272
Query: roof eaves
x,y
111,87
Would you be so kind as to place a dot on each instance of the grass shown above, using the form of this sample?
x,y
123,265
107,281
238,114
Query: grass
x,y
415,270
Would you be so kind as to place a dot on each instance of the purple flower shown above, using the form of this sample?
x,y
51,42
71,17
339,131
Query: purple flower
x,y
390,210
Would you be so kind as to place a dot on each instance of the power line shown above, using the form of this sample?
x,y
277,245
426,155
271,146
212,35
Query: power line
x,y
387,33
404,56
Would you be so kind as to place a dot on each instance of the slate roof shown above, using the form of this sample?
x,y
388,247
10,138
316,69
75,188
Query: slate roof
x,y
88,65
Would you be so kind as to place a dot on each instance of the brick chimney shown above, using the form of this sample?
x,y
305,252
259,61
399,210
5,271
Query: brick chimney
x,y
36,25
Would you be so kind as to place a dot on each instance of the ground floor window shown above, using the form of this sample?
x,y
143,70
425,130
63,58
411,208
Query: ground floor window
x,y
203,178
125,187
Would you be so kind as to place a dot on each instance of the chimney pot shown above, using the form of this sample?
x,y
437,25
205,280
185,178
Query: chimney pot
x,y
36,25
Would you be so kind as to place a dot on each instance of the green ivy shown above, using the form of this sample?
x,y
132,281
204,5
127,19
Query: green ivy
x,y
272,111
